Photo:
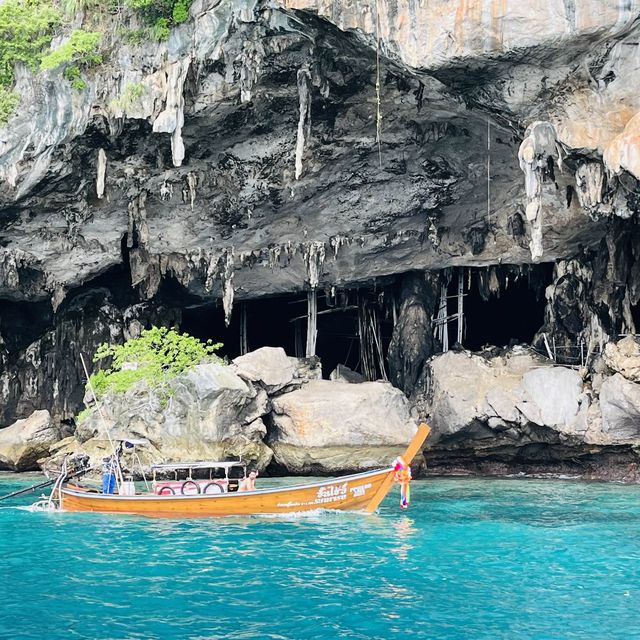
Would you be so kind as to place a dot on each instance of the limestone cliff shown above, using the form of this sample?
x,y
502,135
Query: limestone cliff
x,y
271,148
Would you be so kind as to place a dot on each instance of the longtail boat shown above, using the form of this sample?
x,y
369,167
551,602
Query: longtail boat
x,y
357,492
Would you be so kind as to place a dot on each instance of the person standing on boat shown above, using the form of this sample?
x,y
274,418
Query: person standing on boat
x,y
249,483
109,470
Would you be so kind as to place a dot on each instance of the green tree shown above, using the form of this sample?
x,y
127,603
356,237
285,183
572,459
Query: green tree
x,y
157,356
26,30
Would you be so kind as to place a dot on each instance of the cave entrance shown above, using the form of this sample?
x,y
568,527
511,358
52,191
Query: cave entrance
x,y
282,322
503,305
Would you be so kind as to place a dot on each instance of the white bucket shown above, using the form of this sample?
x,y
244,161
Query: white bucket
x,y
127,488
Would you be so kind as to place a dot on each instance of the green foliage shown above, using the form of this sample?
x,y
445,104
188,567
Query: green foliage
x,y
72,74
26,30
180,11
134,36
72,7
84,414
131,94
157,356
82,48
161,15
161,29
8,103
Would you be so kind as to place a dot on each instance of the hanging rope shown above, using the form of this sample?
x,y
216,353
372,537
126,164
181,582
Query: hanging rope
x,y
378,111
489,174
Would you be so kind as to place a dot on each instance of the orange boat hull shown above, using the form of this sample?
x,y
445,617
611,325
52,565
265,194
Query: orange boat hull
x,y
358,492
350,493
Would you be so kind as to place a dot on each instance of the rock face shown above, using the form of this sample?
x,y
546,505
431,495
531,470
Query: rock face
x,y
208,413
26,441
518,407
212,413
329,426
369,155
270,367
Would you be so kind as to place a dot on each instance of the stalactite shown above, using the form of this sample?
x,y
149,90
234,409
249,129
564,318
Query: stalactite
x,y
192,182
538,147
101,173
171,120
314,254
166,190
338,241
250,60
221,266
304,121
590,186
226,272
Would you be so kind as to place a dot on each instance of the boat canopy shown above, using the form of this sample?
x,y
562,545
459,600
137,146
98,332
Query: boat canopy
x,y
204,464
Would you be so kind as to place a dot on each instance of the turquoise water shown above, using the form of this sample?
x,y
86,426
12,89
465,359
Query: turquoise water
x,y
471,559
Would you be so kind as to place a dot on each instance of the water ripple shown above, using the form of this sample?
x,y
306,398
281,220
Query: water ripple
x,y
471,559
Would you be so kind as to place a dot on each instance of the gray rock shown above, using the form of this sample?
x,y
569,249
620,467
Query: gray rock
x,y
306,368
207,413
624,357
342,373
26,441
269,367
328,426
620,406
502,392
555,392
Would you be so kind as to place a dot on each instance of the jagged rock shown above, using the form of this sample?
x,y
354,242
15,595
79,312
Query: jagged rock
x,y
624,357
306,368
329,426
412,342
620,406
26,441
267,366
479,397
342,373
207,413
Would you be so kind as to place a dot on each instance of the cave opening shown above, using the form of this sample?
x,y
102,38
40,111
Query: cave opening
x,y
281,321
503,305
278,322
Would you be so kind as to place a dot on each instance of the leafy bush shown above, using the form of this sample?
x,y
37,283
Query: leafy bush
x,y
131,94
157,356
181,11
161,15
161,29
82,48
26,30
8,103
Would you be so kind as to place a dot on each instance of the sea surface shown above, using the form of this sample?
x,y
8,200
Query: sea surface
x,y
471,559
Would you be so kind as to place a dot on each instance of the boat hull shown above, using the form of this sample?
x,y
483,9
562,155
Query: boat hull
x,y
349,493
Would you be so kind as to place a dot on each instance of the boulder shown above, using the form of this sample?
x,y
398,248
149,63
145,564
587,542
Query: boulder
x,y
620,407
344,374
26,441
624,357
206,413
330,426
269,367
483,396
306,368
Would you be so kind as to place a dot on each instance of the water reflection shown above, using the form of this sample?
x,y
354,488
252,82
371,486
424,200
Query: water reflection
x,y
404,529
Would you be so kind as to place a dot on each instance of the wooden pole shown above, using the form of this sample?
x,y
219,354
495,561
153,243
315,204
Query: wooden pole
x,y
312,322
460,303
299,348
442,319
244,344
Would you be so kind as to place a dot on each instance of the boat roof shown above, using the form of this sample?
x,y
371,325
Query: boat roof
x,y
200,464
